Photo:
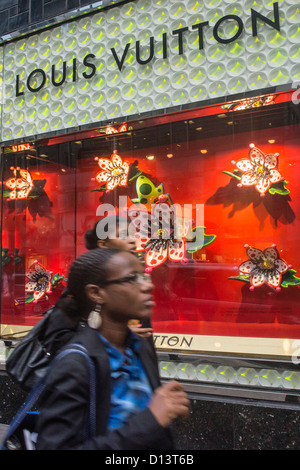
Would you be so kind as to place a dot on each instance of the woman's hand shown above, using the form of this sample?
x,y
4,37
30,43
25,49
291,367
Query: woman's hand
x,y
169,401
143,332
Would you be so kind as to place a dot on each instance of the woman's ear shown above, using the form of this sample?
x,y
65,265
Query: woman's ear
x,y
101,244
94,293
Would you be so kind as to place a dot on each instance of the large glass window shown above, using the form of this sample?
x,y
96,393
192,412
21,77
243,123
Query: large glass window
x,y
231,287
38,231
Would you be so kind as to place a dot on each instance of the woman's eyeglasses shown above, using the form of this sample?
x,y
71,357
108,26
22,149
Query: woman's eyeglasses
x,y
135,278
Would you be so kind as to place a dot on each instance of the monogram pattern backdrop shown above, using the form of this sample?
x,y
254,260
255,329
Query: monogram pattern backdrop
x,y
143,56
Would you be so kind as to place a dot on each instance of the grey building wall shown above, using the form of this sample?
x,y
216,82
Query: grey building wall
x,y
19,14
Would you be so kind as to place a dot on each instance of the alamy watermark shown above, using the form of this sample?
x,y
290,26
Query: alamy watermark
x,y
163,221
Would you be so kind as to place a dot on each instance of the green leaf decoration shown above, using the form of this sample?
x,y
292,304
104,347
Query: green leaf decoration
x,y
29,298
209,239
102,189
276,188
289,279
236,174
5,258
279,188
141,256
194,245
17,258
241,277
135,176
56,280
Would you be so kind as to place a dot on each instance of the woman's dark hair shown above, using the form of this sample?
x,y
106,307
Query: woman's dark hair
x,y
89,268
91,238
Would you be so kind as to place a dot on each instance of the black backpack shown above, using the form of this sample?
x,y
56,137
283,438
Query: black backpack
x,y
27,363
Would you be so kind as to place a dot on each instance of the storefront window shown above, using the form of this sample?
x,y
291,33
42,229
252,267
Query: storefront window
x,y
230,288
38,231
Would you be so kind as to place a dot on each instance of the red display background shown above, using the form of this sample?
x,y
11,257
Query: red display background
x,y
49,240
196,298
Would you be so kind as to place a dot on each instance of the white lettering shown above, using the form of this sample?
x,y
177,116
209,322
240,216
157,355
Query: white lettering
x,y
114,460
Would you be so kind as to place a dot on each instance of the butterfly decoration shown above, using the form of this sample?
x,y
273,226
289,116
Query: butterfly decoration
x,y
20,185
114,172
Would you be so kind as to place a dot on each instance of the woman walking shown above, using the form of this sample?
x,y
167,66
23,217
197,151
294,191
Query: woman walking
x,y
133,410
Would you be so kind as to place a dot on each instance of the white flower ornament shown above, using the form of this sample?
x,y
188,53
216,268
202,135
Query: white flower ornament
x,y
21,184
260,170
113,172
38,281
264,267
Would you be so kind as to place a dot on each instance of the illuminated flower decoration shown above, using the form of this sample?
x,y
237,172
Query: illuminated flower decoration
x,y
155,234
264,267
113,130
259,170
21,184
113,172
160,246
159,250
163,235
39,281
248,103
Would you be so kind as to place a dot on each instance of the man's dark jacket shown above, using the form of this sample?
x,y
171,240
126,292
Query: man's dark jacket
x,y
64,404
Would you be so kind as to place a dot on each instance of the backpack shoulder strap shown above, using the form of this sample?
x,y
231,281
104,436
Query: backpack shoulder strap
x,y
79,349
40,386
